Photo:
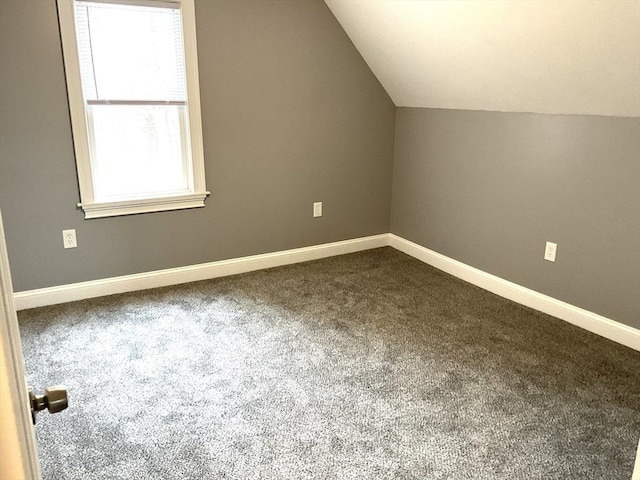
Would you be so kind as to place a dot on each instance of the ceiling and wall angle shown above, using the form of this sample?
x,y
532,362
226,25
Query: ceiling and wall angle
x,y
556,57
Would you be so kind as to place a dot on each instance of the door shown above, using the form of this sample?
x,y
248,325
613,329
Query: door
x,y
18,451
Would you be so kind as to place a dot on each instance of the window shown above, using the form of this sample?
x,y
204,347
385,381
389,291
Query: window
x,y
132,80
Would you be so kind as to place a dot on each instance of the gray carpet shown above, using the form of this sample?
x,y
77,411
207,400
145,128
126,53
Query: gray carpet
x,y
365,366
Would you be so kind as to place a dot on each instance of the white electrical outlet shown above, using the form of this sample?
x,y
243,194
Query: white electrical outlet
x,y
550,251
317,209
69,239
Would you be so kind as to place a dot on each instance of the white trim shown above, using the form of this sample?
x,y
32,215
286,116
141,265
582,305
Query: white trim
x,y
141,3
12,348
192,273
636,467
143,205
66,18
194,132
590,321
180,103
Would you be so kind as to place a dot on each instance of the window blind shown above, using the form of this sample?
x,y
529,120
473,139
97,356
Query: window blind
x,y
130,53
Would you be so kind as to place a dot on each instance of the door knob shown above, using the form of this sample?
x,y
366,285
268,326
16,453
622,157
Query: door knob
x,y
54,399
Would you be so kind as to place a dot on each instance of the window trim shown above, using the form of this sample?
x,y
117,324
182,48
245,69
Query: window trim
x,y
79,120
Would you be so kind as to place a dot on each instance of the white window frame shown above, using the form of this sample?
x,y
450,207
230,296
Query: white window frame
x,y
80,119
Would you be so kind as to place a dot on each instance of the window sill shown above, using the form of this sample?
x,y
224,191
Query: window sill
x,y
142,205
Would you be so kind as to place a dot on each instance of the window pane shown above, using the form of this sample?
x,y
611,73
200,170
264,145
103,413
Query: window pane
x,y
137,150
130,52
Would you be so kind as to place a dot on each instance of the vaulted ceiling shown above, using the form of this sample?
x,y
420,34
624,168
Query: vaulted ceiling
x,y
542,56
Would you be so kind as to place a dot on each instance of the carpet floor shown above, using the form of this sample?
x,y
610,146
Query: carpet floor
x,y
363,366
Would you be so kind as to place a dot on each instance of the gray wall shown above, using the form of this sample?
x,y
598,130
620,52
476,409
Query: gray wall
x,y
291,115
489,188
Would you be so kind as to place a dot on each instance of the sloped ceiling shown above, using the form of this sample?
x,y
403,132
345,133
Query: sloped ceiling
x,y
542,56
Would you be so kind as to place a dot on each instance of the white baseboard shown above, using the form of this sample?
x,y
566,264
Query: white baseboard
x,y
191,273
590,321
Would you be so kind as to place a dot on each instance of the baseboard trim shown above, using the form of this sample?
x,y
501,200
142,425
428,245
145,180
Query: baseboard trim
x,y
590,321
192,273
